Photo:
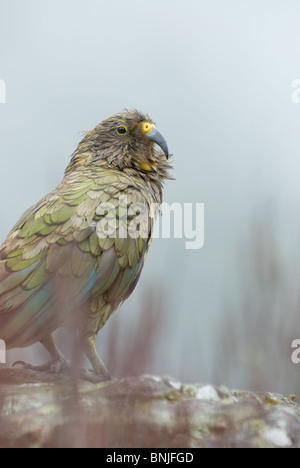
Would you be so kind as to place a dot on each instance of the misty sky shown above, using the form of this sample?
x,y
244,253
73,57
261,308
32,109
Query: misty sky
x,y
216,76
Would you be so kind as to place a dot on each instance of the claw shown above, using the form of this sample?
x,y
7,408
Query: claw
x,y
60,366
21,363
90,376
53,367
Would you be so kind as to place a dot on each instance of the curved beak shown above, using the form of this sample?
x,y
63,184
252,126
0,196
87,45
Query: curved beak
x,y
155,136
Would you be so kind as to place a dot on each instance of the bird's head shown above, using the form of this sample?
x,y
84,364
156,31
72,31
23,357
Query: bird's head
x,y
128,141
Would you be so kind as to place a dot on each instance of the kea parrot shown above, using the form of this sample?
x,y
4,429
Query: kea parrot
x,y
77,254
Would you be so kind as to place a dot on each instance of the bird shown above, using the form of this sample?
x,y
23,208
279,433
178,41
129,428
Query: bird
x,y
77,254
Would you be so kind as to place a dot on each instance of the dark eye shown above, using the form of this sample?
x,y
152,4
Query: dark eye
x,y
121,130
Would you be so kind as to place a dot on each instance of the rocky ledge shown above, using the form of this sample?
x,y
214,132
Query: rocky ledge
x,y
43,410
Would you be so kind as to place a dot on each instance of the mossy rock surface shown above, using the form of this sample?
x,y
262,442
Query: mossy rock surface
x,y
46,410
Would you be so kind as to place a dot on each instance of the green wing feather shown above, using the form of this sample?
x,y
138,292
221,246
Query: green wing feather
x,y
53,263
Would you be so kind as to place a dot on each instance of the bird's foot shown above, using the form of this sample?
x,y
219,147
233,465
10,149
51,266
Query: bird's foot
x,y
53,367
64,367
90,376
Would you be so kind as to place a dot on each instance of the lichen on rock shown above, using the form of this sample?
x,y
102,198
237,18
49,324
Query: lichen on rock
x,y
44,410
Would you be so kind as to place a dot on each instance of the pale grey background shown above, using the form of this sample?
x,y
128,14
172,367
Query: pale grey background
x,y
216,76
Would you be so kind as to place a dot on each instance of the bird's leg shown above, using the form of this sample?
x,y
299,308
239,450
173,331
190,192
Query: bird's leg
x,y
100,371
57,363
